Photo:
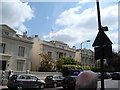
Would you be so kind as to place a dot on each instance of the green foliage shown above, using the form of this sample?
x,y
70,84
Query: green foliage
x,y
86,68
65,61
95,69
113,63
47,64
68,60
59,64
67,68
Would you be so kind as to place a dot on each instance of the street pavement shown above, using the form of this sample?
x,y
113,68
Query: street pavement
x,y
109,85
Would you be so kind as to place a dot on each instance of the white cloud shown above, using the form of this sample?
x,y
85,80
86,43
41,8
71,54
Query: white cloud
x,y
113,36
68,15
15,13
110,16
83,26
116,47
87,1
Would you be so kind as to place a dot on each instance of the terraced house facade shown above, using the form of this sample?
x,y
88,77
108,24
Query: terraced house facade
x,y
21,53
15,50
54,49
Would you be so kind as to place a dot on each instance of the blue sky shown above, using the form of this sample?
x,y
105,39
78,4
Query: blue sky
x,y
70,22
45,16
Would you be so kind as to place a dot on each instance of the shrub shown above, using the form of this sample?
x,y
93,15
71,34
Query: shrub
x,y
95,69
65,61
86,68
67,68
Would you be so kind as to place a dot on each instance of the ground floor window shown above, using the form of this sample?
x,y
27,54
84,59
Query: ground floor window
x,y
2,65
20,66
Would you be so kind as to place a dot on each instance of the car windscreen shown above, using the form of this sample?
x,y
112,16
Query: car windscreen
x,y
13,77
49,77
70,78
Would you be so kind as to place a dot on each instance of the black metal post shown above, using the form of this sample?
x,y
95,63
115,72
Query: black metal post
x,y
102,61
98,13
81,54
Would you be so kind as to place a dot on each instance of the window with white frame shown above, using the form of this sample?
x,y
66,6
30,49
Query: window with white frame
x,y
5,33
21,51
2,47
20,65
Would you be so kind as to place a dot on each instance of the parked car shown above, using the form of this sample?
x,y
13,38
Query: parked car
x,y
23,81
106,75
69,82
75,72
116,76
98,74
54,81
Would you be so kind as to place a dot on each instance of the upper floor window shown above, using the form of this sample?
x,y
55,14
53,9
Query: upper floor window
x,y
5,33
61,46
2,47
21,51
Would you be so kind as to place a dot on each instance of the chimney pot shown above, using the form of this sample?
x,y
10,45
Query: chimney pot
x,y
36,35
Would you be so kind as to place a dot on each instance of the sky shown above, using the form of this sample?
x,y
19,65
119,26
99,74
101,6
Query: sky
x,y
66,21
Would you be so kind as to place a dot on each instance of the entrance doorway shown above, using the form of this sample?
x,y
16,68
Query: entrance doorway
x,y
2,65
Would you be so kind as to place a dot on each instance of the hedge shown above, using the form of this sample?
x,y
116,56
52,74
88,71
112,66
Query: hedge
x,y
66,68
95,69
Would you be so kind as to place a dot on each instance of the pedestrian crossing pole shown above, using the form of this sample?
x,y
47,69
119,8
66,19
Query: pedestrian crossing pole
x,y
102,60
102,44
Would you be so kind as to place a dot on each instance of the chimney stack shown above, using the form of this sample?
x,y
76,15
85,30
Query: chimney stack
x,y
36,35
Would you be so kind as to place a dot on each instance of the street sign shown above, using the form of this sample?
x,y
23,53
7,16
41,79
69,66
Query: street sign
x,y
103,52
103,47
101,39
102,44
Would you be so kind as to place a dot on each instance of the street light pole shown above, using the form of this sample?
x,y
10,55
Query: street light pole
x,y
81,49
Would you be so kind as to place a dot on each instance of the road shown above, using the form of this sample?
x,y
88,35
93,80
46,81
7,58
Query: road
x,y
109,85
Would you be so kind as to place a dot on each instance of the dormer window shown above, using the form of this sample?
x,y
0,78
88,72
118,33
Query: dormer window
x,y
61,46
5,33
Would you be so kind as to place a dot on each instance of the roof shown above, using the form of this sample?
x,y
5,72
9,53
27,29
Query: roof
x,y
9,28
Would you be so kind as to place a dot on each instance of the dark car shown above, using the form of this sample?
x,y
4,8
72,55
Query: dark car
x,y
54,80
75,72
116,76
98,74
106,75
69,82
23,81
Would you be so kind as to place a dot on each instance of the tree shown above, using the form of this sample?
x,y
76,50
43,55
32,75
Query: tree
x,y
47,63
114,62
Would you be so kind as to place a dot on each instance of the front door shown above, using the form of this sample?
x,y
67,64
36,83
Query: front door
x,y
3,65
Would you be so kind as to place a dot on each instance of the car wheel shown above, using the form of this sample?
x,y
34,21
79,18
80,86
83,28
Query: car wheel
x,y
64,87
55,85
42,86
9,88
19,87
